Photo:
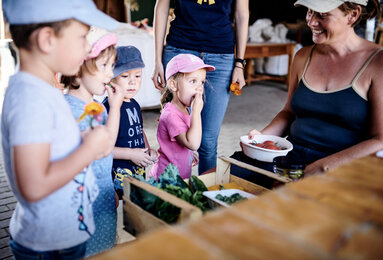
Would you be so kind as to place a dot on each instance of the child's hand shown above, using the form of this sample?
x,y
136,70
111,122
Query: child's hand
x,y
141,157
153,155
197,103
115,95
97,141
253,132
195,159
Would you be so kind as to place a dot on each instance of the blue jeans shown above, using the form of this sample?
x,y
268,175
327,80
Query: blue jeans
x,y
217,96
23,253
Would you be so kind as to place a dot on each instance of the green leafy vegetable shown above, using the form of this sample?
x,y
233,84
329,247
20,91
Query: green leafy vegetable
x,y
171,182
196,184
230,199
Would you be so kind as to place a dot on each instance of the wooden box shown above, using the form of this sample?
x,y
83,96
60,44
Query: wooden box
x,y
138,221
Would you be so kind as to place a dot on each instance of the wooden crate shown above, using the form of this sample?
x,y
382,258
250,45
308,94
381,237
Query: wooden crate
x,y
138,221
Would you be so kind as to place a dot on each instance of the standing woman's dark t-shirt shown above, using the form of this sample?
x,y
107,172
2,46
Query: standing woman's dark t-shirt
x,y
202,25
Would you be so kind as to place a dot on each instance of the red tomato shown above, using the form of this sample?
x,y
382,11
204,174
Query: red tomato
x,y
271,147
268,142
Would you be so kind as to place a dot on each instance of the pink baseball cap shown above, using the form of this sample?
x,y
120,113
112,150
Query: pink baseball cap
x,y
185,63
99,39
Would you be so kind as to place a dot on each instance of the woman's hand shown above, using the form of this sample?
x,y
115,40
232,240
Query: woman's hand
x,y
316,167
158,76
253,132
238,76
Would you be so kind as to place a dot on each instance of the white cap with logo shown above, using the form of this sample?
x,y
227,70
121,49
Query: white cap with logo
x,y
324,6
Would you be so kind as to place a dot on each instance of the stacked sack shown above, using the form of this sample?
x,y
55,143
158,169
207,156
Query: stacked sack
x,y
263,30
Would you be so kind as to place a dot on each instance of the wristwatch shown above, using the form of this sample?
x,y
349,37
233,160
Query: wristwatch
x,y
242,61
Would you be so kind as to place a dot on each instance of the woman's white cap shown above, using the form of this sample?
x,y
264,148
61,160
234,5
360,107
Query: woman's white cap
x,y
324,6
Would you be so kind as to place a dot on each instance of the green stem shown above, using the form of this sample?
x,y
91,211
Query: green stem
x,y
91,123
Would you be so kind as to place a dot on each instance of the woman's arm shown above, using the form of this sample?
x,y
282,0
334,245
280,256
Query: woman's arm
x,y
161,13
37,176
372,145
241,16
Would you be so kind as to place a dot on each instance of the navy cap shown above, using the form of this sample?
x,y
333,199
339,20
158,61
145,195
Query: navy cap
x,y
19,12
128,58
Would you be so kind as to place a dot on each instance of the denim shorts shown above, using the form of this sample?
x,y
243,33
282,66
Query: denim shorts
x,y
22,253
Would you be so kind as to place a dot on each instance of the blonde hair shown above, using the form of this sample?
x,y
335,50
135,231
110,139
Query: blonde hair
x,y
89,66
167,96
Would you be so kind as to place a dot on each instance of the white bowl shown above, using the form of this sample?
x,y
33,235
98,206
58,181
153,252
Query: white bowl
x,y
263,154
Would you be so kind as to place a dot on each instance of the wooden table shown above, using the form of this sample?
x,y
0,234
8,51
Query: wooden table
x,y
338,215
260,50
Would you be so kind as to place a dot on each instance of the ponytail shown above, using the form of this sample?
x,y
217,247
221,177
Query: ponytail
x,y
371,10
166,97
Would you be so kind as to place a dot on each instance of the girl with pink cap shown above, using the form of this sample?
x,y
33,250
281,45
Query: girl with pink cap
x,y
179,130
92,79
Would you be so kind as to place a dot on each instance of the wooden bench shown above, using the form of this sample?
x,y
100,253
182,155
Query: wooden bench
x,y
261,50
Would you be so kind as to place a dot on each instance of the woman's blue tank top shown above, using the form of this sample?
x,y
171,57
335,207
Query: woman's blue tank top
x,y
330,121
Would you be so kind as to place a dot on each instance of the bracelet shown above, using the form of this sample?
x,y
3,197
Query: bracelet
x,y
239,67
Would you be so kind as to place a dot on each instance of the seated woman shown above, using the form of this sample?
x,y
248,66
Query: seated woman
x,y
334,110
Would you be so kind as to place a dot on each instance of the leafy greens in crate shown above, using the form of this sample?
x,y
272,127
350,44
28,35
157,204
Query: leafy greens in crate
x,y
171,182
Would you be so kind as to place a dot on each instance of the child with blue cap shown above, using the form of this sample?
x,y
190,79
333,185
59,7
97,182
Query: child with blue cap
x,y
132,152
46,158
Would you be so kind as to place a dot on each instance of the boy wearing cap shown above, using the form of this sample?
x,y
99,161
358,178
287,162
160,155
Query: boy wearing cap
x,y
44,155
132,152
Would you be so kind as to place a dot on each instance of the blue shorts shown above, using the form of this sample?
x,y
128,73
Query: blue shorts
x,y
23,253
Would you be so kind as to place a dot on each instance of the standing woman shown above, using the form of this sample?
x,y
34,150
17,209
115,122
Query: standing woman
x,y
334,110
204,28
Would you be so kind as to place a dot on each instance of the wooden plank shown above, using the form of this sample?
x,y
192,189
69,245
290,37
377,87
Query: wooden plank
x,y
248,186
245,238
177,243
257,169
367,172
318,224
223,172
353,199
138,221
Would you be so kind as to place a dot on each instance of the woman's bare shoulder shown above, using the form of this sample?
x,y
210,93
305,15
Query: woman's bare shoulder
x,y
376,64
302,55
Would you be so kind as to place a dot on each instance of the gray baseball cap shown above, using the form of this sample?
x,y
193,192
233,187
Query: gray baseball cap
x,y
324,6
19,12
128,58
